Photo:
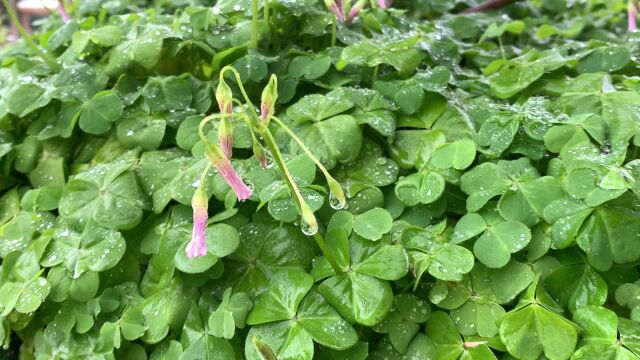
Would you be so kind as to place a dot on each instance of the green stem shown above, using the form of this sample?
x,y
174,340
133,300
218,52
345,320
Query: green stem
x,y
334,30
204,121
297,197
265,10
254,24
247,120
263,130
242,90
375,74
302,146
47,58
504,57
204,173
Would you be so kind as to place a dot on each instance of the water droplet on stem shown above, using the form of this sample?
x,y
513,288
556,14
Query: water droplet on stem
x,y
337,203
307,228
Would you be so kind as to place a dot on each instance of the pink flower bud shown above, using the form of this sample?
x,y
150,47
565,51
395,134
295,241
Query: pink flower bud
x,y
198,245
268,99
226,170
261,155
383,4
355,10
224,96
63,11
336,7
225,136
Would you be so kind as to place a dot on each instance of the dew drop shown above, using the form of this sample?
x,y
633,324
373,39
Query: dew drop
x,y
307,229
336,203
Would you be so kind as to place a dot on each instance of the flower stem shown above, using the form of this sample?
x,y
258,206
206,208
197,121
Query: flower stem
x,y
47,58
334,30
297,197
272,146
254,24
302,146
204,121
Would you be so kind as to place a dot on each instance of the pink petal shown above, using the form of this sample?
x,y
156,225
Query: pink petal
x,y
198,245
631,13
265,112
337,11
63,11
226,144
383,4
226,170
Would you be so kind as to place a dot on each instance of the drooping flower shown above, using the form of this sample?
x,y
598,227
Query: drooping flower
x,y
226,170
225,136
268,99
261,155
198,245
632,13
383,4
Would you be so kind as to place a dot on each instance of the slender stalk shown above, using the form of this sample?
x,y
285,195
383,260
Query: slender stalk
x,y
265,10
47,58
242,90
247,120
375,74
204,174
302,146
279,159
204,121
334,30
254,24
263,130
504,56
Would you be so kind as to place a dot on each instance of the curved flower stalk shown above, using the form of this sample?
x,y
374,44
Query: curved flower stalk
x,y
632,13
258,124
199,202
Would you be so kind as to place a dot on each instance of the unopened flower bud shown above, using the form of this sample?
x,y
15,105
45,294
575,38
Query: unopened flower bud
x,y
198,245
224,96
268,99
225,136
355,10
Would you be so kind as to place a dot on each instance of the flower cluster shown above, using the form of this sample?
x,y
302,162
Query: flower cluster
x,y
219,156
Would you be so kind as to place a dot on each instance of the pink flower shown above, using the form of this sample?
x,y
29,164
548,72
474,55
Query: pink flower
x,y
63,12
337,8
198,245
228,173
225,137
383,4
355,10
632,12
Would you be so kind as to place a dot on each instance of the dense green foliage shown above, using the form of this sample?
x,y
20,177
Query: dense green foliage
x,y
490,164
